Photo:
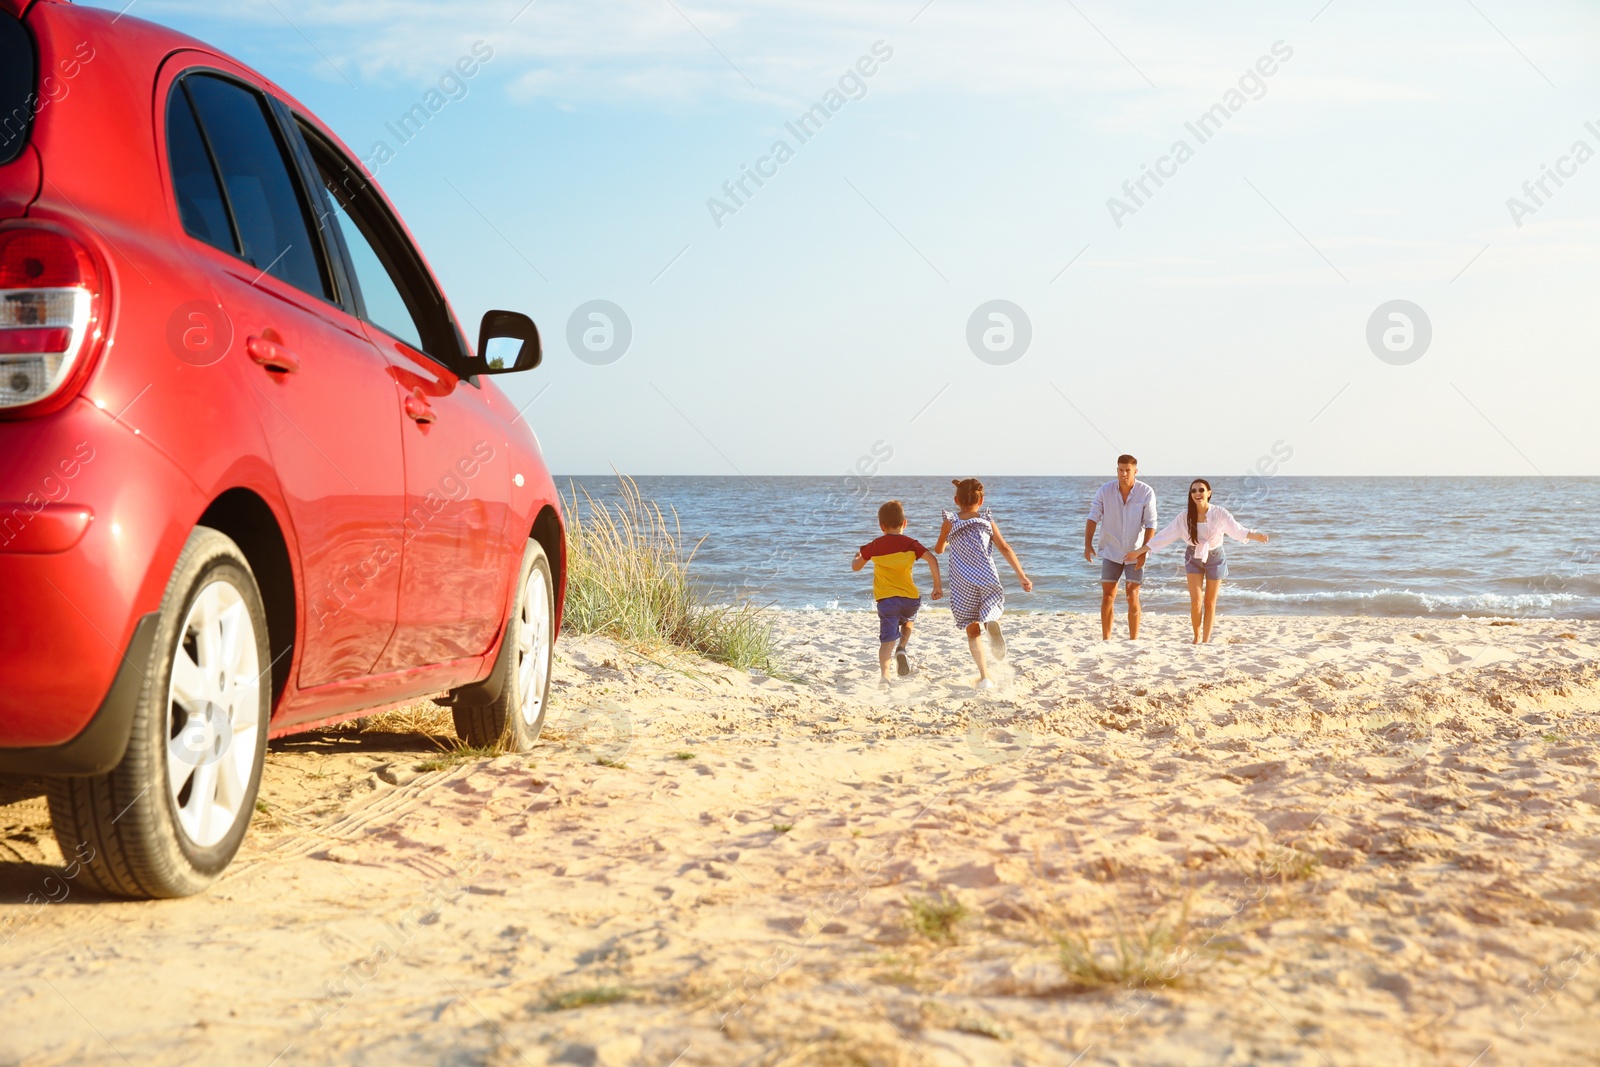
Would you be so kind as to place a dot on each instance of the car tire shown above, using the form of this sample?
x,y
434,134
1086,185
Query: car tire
x,y
168,819
512,720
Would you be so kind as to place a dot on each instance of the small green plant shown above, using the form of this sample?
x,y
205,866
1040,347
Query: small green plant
x,y
1554,737
585,998
261,806
683,755
782,827
936,918
1288,864
615,764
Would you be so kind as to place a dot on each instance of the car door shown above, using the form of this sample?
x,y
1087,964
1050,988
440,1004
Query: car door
x,y
456,562
325,397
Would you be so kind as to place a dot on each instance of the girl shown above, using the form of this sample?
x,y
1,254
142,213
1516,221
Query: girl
x,y
976,599
1202,531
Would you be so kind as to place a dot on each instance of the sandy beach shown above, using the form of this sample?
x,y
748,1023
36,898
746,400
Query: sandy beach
x,y
1315,841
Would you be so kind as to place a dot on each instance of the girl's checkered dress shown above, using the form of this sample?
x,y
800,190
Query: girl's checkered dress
x,y
975,593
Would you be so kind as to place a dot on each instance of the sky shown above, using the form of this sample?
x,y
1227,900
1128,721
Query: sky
x,y
1344,262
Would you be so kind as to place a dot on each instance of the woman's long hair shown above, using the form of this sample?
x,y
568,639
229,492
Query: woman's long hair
x,y
1194,512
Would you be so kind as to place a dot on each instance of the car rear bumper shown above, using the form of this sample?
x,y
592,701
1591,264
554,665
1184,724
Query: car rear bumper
x,y
99,745
91,518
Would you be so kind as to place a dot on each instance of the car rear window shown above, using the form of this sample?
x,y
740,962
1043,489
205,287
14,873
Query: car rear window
x,y
268,210
195,179
16,87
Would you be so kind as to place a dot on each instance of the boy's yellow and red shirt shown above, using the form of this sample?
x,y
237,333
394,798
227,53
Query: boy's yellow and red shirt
x,y
892,556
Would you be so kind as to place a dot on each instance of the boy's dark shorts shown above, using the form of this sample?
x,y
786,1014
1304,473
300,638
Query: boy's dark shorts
x,y
892,611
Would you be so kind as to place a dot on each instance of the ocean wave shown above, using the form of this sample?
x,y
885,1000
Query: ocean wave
x,y
1390,601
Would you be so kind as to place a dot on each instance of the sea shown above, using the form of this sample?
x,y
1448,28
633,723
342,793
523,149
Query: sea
x,y
1393,547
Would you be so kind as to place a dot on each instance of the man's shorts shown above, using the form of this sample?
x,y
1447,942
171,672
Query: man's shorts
x,y
1111,571
892,611
1214,567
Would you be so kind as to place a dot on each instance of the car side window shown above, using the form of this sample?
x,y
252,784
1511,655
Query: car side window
x,y
397,294
194,179
382,303
381,299
264,203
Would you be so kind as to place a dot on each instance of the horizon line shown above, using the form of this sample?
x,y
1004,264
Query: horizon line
x,y
1142,474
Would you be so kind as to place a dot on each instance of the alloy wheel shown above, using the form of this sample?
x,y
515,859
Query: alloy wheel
x,y
213,714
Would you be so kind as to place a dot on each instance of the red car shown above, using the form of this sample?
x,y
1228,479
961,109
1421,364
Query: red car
x,y
253,480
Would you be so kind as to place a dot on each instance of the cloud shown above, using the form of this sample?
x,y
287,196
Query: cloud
x,y
1134,65
677,49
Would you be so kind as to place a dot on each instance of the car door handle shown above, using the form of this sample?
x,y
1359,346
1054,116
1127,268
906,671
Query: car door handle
x,y
272,355
418,408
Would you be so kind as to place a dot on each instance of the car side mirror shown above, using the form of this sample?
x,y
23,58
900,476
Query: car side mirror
x,y
508,342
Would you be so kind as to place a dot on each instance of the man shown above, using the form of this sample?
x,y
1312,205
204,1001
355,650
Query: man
x,y
1124,511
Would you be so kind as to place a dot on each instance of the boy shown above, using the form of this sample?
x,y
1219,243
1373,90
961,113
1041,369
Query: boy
x,y
893,556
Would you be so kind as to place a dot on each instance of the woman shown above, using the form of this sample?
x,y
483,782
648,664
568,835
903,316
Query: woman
x,y
1202,531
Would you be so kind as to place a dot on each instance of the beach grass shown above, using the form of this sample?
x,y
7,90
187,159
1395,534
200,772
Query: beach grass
x,y
628,577
455,752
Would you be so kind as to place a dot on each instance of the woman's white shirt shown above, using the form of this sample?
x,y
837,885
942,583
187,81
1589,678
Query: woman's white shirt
x,y
1218,524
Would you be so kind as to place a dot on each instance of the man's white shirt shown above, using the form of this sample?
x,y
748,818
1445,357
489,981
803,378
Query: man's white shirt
x,y
1119,523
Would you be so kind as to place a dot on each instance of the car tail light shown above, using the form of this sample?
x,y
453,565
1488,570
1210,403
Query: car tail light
x,y
50,296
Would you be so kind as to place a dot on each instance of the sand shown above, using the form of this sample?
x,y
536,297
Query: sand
x,y
1316,841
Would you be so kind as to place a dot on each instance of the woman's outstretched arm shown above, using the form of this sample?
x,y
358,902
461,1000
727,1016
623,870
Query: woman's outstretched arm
x,y
1176,530
1237,530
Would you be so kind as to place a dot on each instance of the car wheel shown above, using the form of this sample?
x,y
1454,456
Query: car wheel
x,y
169,818
513,720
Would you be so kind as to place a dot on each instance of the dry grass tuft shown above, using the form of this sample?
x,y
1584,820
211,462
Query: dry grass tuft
x,y
1134,953
1286,863
424,717
456,752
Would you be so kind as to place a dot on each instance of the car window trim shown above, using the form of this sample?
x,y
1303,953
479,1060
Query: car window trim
x,y
341,266
319,248
397,244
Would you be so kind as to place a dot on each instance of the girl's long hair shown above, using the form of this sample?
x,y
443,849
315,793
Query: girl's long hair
x,y
1194,512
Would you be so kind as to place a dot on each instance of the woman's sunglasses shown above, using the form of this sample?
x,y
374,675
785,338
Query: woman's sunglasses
x,y
1198,490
